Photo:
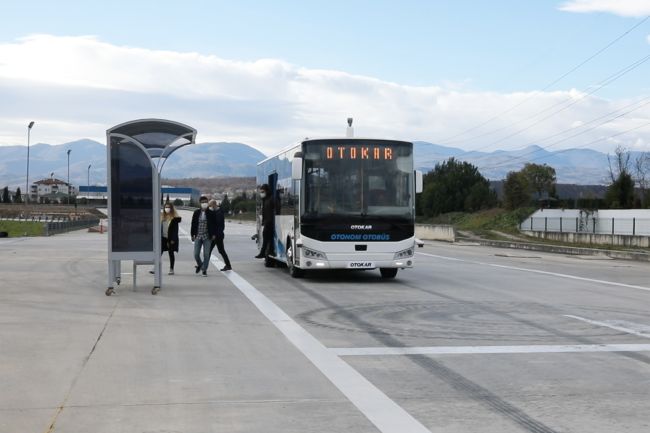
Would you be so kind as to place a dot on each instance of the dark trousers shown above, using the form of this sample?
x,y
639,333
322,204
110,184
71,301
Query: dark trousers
x,y
267,241
218,242
172,259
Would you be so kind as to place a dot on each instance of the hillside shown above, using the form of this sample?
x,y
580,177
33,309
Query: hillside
x,y
223,159
200,160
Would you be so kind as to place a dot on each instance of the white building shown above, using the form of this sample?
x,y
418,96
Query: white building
x,y
52,190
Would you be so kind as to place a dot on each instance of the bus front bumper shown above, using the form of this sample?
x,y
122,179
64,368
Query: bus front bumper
x,y
344,261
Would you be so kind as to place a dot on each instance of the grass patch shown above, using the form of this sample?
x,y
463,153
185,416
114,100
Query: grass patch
x,y
494,219
22,228
483,221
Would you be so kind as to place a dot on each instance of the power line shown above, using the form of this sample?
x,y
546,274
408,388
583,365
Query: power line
x,y
573,148
567,103
546,87
592,121
520,157
594,141
584,131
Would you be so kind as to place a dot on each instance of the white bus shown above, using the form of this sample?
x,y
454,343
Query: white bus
x,y
342,203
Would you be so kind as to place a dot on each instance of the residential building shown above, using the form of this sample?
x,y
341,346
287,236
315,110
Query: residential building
x,y
51,190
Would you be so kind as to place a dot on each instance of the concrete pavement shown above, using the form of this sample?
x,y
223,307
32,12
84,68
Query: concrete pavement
x,y
470,340
198,357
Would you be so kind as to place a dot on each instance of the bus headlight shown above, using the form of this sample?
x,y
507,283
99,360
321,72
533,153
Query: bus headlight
x,y
313,254
403,254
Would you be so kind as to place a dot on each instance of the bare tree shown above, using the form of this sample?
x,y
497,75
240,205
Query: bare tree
x,y
621,162
642,175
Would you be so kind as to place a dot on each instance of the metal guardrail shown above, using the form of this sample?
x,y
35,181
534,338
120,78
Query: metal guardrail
x,y
602,226
55,227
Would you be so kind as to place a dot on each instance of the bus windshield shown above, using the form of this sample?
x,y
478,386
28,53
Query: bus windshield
x,y
358,178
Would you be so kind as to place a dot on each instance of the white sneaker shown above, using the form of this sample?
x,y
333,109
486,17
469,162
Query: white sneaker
x,y
171,272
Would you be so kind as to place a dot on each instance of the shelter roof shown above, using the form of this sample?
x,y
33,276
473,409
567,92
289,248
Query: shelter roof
x,y
155,133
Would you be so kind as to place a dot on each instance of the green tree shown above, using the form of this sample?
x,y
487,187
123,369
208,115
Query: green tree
x,y
18,197
515,190
540,179
242,203
5,195
178,202
455,186
620,193
225,204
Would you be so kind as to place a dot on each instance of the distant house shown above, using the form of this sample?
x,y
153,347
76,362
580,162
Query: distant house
x,y
51,190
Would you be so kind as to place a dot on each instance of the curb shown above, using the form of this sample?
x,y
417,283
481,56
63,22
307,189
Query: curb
x,y
625,255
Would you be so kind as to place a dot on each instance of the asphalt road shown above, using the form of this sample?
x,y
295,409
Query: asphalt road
x,y
472,339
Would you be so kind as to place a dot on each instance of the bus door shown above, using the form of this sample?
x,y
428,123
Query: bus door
x,y
273,186
273,191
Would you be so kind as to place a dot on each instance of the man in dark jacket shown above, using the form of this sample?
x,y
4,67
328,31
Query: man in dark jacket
x,y
221,225
204,232
268,222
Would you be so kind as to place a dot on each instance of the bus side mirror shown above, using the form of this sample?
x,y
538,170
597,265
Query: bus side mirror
x,y
296,169
419,185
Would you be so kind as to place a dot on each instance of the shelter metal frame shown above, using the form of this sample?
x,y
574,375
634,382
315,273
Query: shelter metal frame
x,y
154,138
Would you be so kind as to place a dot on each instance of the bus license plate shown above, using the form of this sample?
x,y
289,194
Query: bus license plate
x,y
361,265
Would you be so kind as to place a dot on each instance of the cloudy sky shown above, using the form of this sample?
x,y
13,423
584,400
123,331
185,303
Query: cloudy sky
x,y
471,74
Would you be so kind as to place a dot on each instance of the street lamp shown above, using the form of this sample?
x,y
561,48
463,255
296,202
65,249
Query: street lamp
x,y
69,150
29,129
89,165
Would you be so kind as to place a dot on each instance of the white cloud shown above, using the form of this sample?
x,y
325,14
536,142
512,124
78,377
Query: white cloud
x,y
76,87
625,8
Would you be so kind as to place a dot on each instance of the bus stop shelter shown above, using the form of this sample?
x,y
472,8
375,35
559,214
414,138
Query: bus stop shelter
x,y
136,153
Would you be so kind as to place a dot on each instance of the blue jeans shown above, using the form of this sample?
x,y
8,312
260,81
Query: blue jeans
x,y
205,243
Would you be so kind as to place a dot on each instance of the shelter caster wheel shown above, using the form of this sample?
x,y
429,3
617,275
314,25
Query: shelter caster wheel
x,y
118,280
109,291
155,290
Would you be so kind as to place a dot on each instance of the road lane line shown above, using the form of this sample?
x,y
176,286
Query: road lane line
x,y
380,410
484,350
536,271
619,325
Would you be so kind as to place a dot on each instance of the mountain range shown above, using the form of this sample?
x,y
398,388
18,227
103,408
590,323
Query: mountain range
x,y
576,166
198,160
572,166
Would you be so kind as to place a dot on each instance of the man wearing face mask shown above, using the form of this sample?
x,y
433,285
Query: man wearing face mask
x,y
218,242
203,232
268,221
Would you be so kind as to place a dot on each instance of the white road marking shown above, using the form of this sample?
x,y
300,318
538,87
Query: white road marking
x,y
537,271
484,350
383,412
619,325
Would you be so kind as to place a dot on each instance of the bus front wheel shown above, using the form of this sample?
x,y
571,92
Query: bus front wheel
x,y
293,270
388,272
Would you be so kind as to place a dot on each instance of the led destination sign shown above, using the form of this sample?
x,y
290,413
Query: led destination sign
x,y
359,152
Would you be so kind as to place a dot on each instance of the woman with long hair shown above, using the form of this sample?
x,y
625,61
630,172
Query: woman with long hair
x,y
170,219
